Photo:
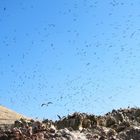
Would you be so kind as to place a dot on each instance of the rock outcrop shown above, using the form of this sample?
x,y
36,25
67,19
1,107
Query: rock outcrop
x,y
122,124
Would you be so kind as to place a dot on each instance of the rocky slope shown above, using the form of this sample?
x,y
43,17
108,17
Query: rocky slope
x,y
122,124
8,116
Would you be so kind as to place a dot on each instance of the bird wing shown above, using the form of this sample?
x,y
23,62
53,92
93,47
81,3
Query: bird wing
x,y
43,104
49,103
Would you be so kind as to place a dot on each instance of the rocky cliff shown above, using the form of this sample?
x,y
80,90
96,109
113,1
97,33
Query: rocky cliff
x,y
122,124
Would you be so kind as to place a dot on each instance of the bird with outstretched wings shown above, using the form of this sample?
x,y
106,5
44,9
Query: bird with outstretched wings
x,y
46,104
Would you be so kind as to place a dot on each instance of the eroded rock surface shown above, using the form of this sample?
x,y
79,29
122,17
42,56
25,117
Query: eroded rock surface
x,y
122,124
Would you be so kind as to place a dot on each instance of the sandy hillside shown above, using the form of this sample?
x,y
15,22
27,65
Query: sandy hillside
x,y
8,116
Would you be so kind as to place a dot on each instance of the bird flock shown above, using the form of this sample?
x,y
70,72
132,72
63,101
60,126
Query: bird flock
x,y
60,57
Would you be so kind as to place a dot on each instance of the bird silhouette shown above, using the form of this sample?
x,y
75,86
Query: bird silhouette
x,y
59,117
46,104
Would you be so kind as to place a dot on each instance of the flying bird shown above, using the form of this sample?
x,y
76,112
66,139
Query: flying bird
x,y
46,104
59,117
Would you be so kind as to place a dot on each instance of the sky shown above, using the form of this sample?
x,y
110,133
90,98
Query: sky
x,y
81,55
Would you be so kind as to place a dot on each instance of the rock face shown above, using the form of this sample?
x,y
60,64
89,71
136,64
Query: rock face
x,y
122,124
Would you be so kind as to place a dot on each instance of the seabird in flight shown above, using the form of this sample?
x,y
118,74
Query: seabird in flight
x,y
46,104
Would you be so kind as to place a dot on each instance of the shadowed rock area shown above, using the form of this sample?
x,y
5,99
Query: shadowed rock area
x,y
122,124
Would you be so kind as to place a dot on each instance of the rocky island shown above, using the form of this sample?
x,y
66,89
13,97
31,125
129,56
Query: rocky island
x,y
121,124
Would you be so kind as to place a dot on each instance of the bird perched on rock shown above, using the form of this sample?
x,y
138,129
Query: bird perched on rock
x,y
46,104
